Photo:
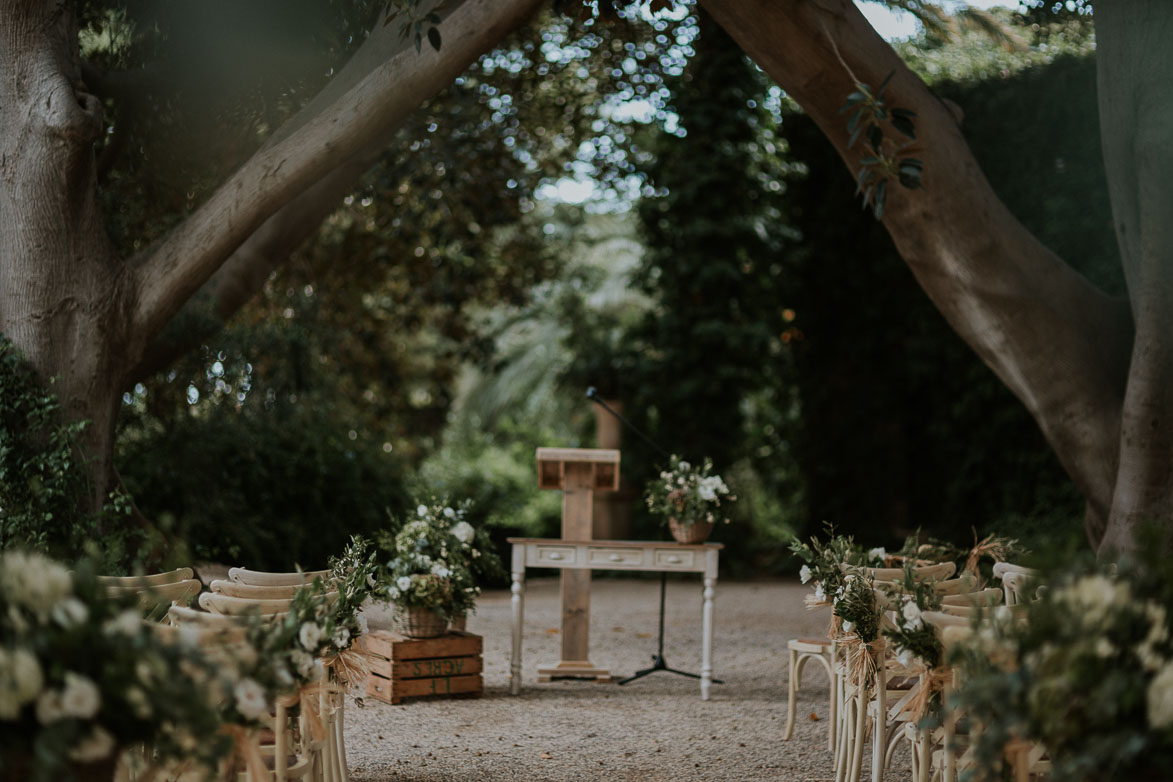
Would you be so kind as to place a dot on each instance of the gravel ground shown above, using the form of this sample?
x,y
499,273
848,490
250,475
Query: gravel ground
x,y
654,729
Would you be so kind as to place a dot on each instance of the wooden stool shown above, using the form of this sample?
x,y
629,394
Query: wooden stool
x,y
802,649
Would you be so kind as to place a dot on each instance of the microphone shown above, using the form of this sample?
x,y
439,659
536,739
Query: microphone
x,y
593,395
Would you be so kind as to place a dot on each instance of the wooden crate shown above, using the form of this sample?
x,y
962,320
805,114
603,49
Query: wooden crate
x,y
417,667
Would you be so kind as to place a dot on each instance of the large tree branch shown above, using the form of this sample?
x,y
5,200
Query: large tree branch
x,y
1057,342
326,135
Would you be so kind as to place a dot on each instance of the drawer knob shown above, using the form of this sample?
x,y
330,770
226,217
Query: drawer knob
x,y
616,557
673,560
554,555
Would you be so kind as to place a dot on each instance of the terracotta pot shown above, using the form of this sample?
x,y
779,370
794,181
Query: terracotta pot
x,y
697,532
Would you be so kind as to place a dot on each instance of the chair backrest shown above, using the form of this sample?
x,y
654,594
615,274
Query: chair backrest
x,y
262,578
154,579
983,597
1002,568
236,589
940,620
1016,587
963,584
224,604
920,574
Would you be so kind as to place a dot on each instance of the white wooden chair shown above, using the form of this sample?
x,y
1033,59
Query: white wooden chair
x,y
154,591
800,651
263,578
1015,579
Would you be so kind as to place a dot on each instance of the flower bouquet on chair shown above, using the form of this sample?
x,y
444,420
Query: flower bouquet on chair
x,y
688,498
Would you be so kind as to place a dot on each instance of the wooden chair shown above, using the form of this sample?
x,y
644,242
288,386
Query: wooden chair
x,y
237,589
1015,579
922,573
155,591
825,651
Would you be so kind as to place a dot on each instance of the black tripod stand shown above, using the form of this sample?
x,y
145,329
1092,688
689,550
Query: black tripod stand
x,y
658,662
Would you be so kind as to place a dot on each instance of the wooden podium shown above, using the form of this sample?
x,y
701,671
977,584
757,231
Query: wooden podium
x,y
578,473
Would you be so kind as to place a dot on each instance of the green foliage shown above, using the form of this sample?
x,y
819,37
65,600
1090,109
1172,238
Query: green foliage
x,y
258,464
42,491
886,159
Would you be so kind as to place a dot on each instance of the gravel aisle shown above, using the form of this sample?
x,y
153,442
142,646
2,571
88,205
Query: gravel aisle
x,y
654,729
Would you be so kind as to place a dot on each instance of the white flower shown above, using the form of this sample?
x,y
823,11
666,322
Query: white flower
x,y
49,707
706,492
33,581
449,513
463,531
404,583
877,553
80,698
848,626
422,510
911,614
683,466
303,661
906,657
1160,698
127,622
393,593
819,593
250,698
96,746
70,612
804,573
310,636
1104,648
341,637
441,571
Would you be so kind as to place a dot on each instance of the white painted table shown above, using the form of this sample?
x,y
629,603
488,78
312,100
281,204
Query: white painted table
x,y
638,555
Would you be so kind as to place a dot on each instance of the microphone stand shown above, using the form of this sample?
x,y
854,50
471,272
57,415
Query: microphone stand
x,y
658,661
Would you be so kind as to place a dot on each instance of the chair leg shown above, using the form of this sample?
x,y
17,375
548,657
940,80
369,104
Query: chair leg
x,y
792,692
833,718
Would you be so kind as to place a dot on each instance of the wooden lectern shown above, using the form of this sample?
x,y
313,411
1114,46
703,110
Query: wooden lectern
x,y
578,473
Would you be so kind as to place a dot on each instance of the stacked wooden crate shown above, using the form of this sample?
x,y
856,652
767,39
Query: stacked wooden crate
x,y
417,667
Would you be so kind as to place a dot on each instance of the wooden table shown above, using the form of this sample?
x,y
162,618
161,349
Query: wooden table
x,y
637,555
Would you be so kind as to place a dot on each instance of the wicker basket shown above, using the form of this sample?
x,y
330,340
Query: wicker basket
x,y
417,622
697,532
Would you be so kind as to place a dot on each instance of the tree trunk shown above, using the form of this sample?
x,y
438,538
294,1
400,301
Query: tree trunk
x,y
64,299
1058,343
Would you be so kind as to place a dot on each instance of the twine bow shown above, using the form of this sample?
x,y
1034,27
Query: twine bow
x,y
349,666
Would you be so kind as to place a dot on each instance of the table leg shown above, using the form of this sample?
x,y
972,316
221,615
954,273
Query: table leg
x,y
518,591
707,638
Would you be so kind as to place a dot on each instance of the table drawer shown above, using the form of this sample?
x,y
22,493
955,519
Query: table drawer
x,y
616,557
554,556
672,558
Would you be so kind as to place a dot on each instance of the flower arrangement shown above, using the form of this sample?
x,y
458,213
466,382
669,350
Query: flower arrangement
x,y
437,559
687,493
82,676
1087,670
825,564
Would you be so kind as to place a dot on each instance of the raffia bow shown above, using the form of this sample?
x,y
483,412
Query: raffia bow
x,y
929,682
246,747
861,660
349,666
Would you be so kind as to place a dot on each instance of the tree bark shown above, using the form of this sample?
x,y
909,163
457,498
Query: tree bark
x,y
64,298
1058,343
1134,63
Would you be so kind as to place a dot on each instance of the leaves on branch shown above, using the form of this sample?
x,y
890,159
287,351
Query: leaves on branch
x,y
870,115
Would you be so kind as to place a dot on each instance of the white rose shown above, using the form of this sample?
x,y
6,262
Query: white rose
x,y
127,622
463,531
441,571
80,698
310,636
341,638
1160,698
912,617
905,658
707,493
250,698
449,513
422,510
393,593
70,612
848,626
683,466
819,593
404,583
49,707
96,746
303,661
33,581
804,573
878,553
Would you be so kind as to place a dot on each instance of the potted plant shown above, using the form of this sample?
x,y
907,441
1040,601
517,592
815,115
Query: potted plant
x,y
437,560
688,498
